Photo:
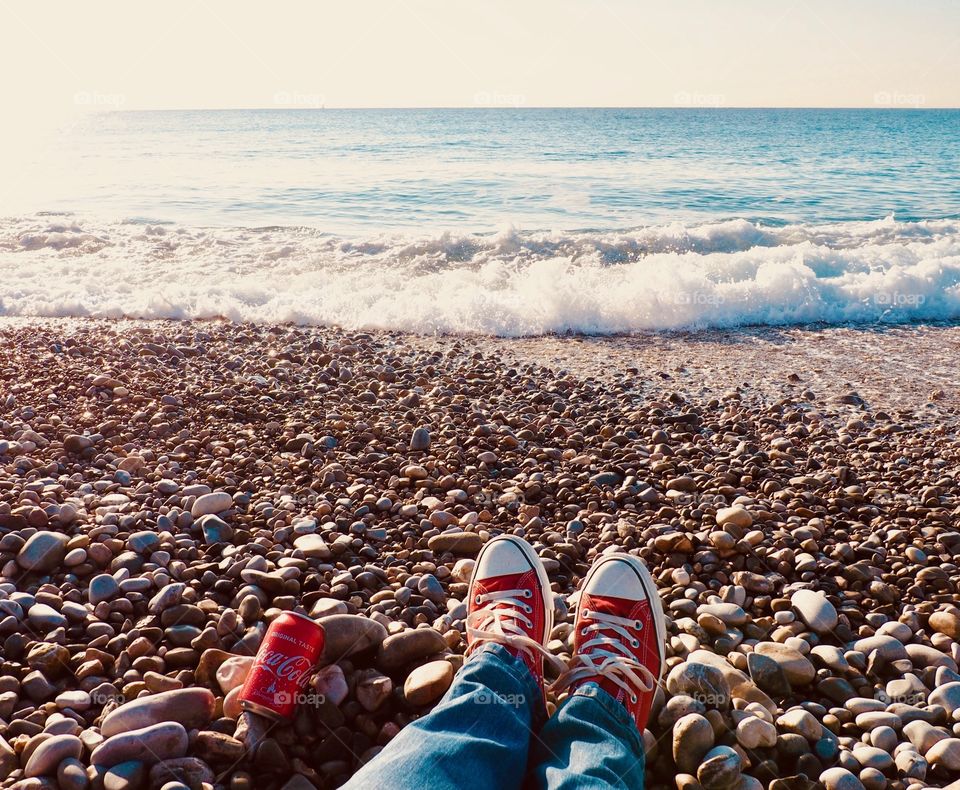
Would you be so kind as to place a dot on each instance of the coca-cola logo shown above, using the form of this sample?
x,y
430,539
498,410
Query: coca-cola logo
x,y
295,669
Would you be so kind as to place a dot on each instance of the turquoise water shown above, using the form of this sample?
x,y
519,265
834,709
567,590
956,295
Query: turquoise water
x,y
346,171
508,222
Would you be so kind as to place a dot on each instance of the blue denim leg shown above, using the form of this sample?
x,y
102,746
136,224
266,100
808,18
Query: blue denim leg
x,y
591,742
478,736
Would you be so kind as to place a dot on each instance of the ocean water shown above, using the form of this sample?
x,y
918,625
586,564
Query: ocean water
x,y
499,221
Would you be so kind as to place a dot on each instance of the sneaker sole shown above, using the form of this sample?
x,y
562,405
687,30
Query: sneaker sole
x,y
535,563
649,588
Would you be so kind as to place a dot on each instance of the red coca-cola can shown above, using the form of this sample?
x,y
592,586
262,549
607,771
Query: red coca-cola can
x,y
288,654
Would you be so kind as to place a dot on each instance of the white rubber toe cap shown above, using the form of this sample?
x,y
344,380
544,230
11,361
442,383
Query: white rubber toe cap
x,y
617,579
503,557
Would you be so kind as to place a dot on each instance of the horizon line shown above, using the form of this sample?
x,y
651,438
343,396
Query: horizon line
x,y
261,108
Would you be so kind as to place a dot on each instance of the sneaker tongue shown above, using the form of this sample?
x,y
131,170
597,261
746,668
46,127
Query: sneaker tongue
x,y
512,581
621,607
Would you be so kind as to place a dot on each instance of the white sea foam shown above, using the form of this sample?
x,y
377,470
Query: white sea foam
x,y
721,274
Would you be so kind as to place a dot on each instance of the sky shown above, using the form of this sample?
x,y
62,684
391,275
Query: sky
x,y
67,57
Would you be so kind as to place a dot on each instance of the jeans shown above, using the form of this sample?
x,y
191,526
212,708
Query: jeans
x,y
488,733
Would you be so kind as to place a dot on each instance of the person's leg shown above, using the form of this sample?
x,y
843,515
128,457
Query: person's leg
x,y
478,736
590,742
594,740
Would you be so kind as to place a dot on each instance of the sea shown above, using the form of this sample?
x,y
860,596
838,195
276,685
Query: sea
x,y
508,222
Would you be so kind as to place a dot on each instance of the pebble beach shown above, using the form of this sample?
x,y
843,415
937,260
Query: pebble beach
x,y
168,488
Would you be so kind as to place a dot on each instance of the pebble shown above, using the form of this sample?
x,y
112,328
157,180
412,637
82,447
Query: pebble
x,y
233,672
946,622
798,668
737,516
720,768
212,503
703,682
128,775
753,733
408,646
911,765
815,610
947,696
885,738
347,634
217,747
331,683
768,674
49,754
420,440
43,552
840,779
456,543
870,720
78,700
45,617
103,587
189,771
871,757
313,546
148,744
71,775
887,647
693,737
923,734
831,656
800,722
190,707
428,682
75,444
215,529
463,570
944,753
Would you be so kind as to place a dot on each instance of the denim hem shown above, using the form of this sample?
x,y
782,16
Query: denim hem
x,y
520,672
626,727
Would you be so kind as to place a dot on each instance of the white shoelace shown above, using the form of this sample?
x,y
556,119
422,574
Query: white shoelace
x,y
609,658
500,623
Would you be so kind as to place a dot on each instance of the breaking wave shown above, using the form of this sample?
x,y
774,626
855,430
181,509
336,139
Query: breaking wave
x,y
719,274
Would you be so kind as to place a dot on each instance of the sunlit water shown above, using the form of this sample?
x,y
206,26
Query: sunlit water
x,y
495,221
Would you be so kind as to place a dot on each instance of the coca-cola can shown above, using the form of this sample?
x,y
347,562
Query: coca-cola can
x,y
288,654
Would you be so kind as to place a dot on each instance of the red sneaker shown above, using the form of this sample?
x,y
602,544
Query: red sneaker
x,y
511,602
620,634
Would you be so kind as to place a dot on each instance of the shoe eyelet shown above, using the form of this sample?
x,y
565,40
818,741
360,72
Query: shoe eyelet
x,y
477,600
583,632
634,643
633,698
528,593
638,625
585,613
528,609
